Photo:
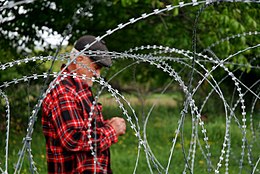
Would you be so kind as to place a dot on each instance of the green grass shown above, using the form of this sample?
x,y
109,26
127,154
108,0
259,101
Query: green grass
x,y
160,132
16,143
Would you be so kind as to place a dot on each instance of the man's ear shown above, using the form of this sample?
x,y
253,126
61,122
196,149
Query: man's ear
x,y
80,58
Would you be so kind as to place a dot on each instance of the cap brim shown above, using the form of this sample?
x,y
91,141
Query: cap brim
x,y
104,61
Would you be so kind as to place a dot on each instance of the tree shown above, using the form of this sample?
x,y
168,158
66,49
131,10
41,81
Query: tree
x,y
22,26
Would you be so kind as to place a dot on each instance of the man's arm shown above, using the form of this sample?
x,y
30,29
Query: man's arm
x,y
72,129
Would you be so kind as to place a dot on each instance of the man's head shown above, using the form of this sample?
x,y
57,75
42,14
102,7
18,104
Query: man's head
x,y
89,65
102,60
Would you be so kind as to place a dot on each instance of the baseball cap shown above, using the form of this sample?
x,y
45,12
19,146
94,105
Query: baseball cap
x,y
103,60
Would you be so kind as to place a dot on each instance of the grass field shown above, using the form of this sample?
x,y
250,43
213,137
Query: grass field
x,y
160,132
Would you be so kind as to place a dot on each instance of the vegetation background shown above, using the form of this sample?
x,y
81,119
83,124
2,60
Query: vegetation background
x,y
24,31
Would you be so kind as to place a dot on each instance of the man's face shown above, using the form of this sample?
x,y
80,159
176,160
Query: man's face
x,y
86,66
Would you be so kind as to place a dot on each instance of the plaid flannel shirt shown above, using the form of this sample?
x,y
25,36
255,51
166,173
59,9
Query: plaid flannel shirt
x,y
65,121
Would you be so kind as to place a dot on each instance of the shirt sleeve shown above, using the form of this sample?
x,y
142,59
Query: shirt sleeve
x,y
73,128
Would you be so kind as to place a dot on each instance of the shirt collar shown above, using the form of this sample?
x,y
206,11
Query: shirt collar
x,y
77,80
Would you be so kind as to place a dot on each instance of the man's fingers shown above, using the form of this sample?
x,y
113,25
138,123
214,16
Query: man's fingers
x,y
118,124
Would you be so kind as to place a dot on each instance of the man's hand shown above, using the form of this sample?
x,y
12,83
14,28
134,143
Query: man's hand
x,y
118,124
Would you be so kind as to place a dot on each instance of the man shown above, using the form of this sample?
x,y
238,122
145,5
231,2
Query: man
x,y
77,136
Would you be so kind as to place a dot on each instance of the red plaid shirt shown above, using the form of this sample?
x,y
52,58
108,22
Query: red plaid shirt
x,y
65,126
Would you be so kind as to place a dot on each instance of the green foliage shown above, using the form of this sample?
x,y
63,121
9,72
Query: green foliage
x,y
174,29
128,2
